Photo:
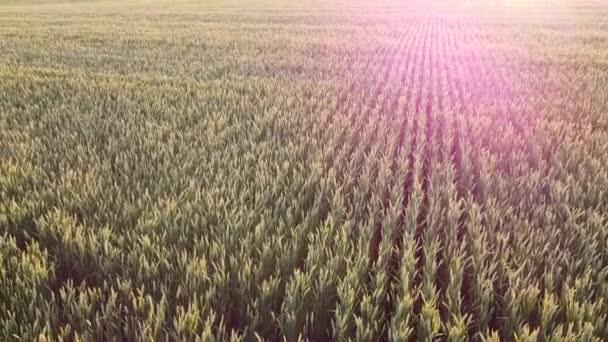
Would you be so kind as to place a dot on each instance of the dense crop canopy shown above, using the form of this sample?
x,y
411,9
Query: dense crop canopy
x,y
319,170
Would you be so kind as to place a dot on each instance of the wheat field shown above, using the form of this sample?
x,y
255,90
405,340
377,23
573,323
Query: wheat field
x,y
321,170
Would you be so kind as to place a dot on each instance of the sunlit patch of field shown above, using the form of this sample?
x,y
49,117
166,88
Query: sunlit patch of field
x,y
320,170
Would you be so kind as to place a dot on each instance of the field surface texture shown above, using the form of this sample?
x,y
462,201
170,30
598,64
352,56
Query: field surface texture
x,y
304,170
